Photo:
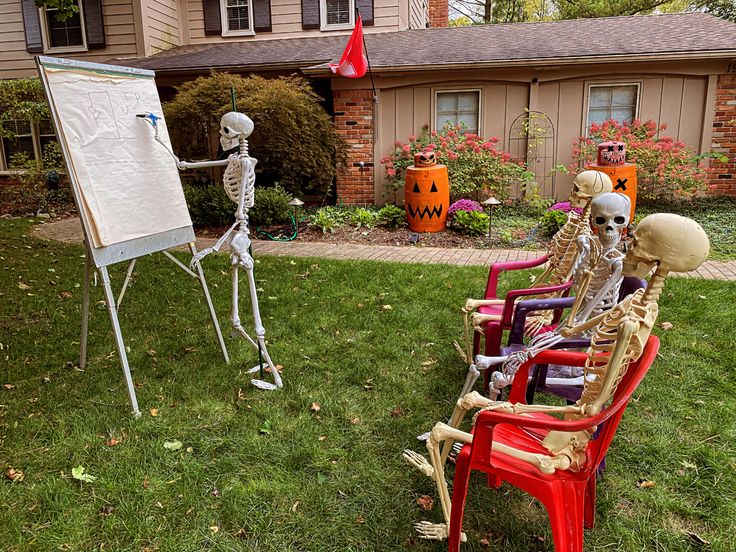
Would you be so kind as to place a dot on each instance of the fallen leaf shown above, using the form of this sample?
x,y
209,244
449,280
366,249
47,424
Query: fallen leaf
x,y
397,412
23,286
645,484
145,482
359,519
321,437
666,325
702,297
112,441
106,510
355,421
215,492
294,507
65,295
14,475
429,362
315,407
8,386
484,541
425,502
387,307
173,445
697,539
154,412
78,474
368,385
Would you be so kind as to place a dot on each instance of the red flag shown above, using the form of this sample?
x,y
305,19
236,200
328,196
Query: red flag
x,y
353,63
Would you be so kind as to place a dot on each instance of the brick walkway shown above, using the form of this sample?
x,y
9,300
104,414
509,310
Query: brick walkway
x,y
70,231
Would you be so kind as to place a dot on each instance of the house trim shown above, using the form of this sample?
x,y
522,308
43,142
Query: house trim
x,y
224,23
443,89
602,83
47,49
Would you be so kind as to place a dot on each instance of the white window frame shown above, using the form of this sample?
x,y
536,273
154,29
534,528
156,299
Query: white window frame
x,y
240,32
590,85
47,48
323,26
437,91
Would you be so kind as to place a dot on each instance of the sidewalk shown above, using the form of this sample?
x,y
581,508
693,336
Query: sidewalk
x,y
70,231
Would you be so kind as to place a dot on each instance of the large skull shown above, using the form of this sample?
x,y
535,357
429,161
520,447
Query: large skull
x,y
671,242
609,214
234,126
587,185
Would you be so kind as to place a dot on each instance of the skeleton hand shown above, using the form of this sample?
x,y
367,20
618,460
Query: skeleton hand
x,y
515,360
544,341
199,256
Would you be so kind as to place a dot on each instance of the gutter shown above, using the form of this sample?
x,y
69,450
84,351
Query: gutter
x,y
599,59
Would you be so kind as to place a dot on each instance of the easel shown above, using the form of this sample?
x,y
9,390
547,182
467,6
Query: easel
x,y
129,250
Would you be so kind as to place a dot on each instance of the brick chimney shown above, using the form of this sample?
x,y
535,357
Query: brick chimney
x,y
438,16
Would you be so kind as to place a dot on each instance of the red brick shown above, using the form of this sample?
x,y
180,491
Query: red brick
x,y
722,176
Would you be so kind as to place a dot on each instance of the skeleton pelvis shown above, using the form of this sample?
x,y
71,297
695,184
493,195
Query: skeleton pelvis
x,y
570,444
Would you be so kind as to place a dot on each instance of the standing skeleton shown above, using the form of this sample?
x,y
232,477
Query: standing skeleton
x,y
562,255
597,280
663,241
239,183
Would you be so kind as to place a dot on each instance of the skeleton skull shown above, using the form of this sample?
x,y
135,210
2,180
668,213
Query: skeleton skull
x,y
671,242
609,215
234,126
587,185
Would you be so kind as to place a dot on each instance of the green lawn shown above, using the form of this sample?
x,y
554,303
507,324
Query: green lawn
x,y
331,480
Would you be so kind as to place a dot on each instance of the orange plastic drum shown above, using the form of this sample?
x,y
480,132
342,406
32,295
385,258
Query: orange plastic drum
x,y
426,194
623,178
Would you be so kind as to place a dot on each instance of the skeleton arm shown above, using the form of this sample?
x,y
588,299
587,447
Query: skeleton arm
x,y
613,281
202,254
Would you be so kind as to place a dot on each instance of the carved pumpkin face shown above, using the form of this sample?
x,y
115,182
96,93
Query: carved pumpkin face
x,y
426,197
425,159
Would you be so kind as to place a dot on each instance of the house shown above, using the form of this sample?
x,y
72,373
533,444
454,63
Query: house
x,y
678,69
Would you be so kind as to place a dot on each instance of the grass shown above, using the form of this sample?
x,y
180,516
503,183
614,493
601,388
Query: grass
x,y
330,480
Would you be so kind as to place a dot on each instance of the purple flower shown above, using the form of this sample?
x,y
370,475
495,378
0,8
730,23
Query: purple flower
x,y
565,207
463,205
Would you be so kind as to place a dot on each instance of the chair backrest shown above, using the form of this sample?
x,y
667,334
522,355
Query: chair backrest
x,y
598,447
629,285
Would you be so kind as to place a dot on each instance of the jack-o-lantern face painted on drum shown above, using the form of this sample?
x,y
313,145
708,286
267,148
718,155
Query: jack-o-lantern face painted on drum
x,y
426,194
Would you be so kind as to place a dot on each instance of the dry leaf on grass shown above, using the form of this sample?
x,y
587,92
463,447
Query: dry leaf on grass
x,y
8,386
315,407
112,441
359,519
14,475
666,325
397,412
425,502
646,484
153,412
387,307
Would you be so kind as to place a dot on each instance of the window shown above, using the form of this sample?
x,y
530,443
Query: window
x,y
237,17
337,14
27,138
461,107
63,35
612,101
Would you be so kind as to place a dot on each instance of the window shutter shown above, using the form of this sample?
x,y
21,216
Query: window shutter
x,y
93,24
310,14
365,8
262,16
212,22
32,25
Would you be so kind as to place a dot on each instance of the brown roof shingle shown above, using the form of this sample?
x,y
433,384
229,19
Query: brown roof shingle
x,y
682,35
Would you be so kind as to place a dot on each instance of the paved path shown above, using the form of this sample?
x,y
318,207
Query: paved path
x,y
70,231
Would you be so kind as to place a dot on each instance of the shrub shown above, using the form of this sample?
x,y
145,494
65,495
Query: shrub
x,y
666,169
474,165
471,223
271,206
327,219
294,139
209,205
363,218
553,219
391,216
462,205
44,186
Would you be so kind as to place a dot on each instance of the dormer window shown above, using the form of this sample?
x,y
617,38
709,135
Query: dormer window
x,y
237,17
337,14
67,35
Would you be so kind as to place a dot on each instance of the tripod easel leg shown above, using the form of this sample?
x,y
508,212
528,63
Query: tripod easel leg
x,y
210,307
110,299
85,309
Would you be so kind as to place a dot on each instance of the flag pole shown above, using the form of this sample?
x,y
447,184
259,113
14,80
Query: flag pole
x,y
365,49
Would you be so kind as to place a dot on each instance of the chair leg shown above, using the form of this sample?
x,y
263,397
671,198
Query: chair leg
x,y
459,494
476,343
565,503
589,504
494,482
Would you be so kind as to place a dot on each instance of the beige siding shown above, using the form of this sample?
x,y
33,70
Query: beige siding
x,y
679,101
16,62
162,24
418,14
286,22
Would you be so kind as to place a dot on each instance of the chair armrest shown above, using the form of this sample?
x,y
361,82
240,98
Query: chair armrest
x,y
498,268
511,296
523,308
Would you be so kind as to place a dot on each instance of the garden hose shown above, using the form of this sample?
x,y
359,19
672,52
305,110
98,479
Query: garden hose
x,y
293,236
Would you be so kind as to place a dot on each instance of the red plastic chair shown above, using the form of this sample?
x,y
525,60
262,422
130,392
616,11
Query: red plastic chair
x,y
568,497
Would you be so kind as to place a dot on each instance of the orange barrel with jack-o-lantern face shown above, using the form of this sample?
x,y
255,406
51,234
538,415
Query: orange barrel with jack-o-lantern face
x,y
426,194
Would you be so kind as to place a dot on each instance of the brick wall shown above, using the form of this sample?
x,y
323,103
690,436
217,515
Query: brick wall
x,y
354,122
722,176
438,13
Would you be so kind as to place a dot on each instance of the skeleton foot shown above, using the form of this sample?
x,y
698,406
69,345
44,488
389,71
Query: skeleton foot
x,y
424,436
416,460
260,384
435,531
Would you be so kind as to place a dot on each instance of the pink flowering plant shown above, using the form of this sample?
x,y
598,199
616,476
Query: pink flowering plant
x,y
463,205
475,166
666,168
